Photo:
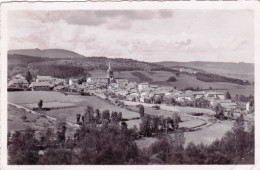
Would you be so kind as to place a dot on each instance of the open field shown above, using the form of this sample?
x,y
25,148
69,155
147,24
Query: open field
x,y
209,134
79,103
19,119
52,105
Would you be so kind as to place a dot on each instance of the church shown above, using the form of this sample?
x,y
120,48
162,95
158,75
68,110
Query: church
x,y
103,80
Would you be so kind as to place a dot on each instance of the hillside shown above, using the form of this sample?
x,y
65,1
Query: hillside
x,y
55,62
243,71
47,53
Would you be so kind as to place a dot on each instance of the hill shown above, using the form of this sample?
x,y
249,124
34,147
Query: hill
x,y
54,62
240,70
47,53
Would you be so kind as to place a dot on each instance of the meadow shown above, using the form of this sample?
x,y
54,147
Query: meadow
x,y
19,119
66,106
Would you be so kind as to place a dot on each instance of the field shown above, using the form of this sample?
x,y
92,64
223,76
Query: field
x,y
77,103
19,119
209,134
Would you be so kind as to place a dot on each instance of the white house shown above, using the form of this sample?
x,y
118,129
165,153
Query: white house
x,y
216,95
47,79
183,97
73,82
142,86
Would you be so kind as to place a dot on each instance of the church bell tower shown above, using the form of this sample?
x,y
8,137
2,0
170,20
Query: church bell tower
x,y
110,73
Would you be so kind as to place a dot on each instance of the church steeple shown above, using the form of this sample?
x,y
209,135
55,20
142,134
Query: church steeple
x,y
110,73
109,67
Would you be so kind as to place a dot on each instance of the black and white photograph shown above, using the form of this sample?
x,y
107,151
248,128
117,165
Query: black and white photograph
x,y
130,86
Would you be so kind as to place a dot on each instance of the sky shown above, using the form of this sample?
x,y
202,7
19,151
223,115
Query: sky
x,y
146,35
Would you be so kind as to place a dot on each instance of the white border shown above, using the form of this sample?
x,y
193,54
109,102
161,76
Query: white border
x,y
254,5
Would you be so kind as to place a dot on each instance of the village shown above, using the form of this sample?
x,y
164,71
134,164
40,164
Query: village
x,y
114,89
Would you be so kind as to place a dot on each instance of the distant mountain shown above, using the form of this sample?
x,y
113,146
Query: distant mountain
x,y
47,53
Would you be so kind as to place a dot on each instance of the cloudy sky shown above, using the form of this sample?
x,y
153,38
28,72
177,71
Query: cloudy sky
x,y
153,35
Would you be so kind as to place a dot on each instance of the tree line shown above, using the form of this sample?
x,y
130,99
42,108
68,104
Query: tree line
x,y
207,77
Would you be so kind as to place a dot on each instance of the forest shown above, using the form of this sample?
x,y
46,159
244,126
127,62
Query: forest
x,y
207,77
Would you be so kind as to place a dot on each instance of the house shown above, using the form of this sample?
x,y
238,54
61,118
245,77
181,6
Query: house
x,y
41,86
147,89
183,97
122,83
212,100
142,86
229,106
73,82
19,76
98,80
216,95
131,97
47,79
198,94
131,85
18,83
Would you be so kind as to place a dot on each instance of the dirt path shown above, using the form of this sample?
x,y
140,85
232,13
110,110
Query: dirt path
x,y
39,114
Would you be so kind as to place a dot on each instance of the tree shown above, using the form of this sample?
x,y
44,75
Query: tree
x,y
89,115
172,79
227,95
141,110
219,111
106,115
40,103
97,116
176,119
28,77
119,116
114,117
145,126
78,118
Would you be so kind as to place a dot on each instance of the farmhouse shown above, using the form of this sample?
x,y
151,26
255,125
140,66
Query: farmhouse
x,y
183,97
18,83
48,79
73,82
198,94
216,95
37,86
142,86
122,83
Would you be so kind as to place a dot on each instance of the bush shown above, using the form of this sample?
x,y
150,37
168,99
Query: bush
x,y
172,79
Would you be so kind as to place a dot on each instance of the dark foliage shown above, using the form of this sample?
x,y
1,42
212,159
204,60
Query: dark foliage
x,y
59,71
172,79
206,77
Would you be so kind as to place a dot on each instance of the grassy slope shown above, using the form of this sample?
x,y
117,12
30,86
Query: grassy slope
x,y
235,70
80,103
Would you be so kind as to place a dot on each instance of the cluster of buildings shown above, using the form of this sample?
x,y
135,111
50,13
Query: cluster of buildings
x,y
188,70
123,88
